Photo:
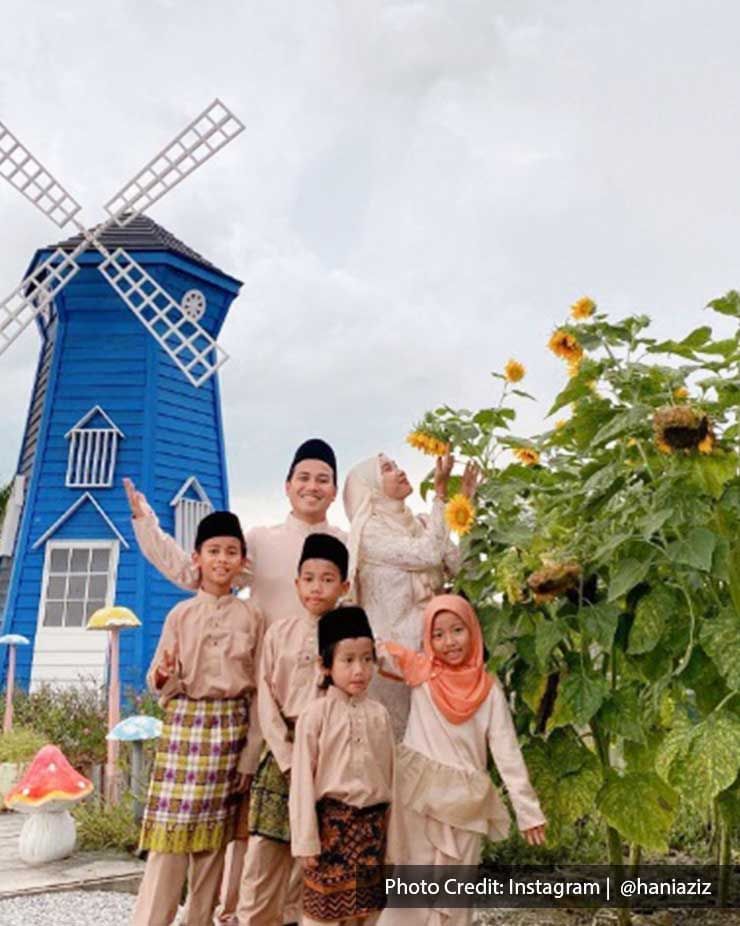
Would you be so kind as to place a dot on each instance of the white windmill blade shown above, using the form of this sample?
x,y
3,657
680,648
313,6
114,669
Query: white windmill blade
x,y
215,127
34,294
21,169
191,347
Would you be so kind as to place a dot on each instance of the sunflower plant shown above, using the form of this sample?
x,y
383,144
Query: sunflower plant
x,y
604,562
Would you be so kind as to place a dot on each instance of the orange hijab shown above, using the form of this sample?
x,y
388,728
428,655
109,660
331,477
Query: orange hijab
x,y
457,691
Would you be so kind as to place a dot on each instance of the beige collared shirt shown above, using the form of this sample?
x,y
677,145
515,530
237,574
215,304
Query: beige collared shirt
x,y
289,679
343,749
215,644
273,554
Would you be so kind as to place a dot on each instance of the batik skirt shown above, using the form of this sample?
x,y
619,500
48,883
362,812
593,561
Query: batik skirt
x,y
348,881
192,801
268,801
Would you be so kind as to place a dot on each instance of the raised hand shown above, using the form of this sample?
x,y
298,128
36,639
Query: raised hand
x,y
136,500
442,471
471,479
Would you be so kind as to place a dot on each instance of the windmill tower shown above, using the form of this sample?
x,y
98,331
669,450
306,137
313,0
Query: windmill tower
x,y
126,384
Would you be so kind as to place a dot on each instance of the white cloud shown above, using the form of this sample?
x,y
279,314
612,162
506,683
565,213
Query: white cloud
x,y
422,189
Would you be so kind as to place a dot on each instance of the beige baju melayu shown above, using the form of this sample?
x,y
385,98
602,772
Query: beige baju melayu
x,y
398,561
288,681
207,638
447,800
273,553
343,750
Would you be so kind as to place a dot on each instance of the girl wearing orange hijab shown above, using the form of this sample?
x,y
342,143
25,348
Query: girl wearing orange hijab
x,y
458,713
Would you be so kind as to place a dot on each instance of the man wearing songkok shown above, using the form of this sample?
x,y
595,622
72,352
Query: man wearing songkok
x,y
289,680
204,671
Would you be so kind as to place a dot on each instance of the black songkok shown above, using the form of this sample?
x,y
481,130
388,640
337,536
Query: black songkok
x,y
315,449
324,546
343,623
219,524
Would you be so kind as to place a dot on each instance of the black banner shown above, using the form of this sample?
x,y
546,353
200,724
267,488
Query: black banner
x,y
650,887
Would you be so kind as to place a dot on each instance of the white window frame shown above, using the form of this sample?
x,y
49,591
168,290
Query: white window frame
x,y
189,512
112,545
92,453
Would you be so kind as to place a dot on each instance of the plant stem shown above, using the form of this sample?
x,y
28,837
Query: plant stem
x,y
724,858
634,859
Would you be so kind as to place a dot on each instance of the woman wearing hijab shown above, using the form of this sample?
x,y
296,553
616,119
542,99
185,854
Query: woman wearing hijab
x,y
398,560
458,714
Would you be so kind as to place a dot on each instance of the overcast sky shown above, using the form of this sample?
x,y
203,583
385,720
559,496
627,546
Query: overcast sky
x,y
422,189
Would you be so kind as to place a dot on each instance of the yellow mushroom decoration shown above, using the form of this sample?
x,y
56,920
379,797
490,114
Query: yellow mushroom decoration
x,y
113,619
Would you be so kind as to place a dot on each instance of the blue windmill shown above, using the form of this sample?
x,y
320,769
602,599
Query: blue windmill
x,y
126,383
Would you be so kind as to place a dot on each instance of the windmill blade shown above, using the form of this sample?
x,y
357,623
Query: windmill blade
x,y
215,127
21,169
190,346
34,294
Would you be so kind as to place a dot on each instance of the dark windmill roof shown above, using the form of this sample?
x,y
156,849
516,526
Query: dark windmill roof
x,y
144,234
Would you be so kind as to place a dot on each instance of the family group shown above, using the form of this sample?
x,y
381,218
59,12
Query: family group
x,y
338,718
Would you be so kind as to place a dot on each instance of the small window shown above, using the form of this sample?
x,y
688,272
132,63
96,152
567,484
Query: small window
x,y
79,579
93,447
191,505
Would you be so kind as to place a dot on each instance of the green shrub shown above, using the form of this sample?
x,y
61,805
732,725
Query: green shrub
x,y
20,745
100,827
74,719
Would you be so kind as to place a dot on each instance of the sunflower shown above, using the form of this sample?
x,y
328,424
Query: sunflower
x,y
428,444
582,308
574,366
460,514
527,456
680,392
554,580
680,427
706,445
565,346
514,371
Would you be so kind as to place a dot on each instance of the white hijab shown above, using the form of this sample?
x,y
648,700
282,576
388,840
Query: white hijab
x,y
364,498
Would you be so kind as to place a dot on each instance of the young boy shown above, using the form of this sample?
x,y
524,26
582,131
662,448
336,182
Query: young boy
x,y
288,681
342,782
204,671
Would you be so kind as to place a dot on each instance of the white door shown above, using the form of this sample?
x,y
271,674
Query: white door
x,y
79,577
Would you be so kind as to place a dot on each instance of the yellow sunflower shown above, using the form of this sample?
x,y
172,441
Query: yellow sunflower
x,y
565,346
527,456
582,308
514,371
427,444
460,514
706,445
681,392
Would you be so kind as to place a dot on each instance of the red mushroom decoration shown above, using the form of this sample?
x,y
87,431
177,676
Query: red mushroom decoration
x,y
46,792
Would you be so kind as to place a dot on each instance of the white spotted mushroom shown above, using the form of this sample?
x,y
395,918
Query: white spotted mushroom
x,y
46,792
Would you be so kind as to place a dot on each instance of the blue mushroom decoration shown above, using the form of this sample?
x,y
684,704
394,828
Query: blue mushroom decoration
x,y
136,730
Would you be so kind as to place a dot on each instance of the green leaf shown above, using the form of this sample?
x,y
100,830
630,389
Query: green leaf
x,y
713,472
600,623
546,636
566,776
654,520
720,638
579,697
625,421
621,714
533,688
652,613
694,550
711,761
729,304
697,337
573,391
628,573
640,806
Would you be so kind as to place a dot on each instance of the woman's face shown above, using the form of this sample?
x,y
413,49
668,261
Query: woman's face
x,y
394,481
450,638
